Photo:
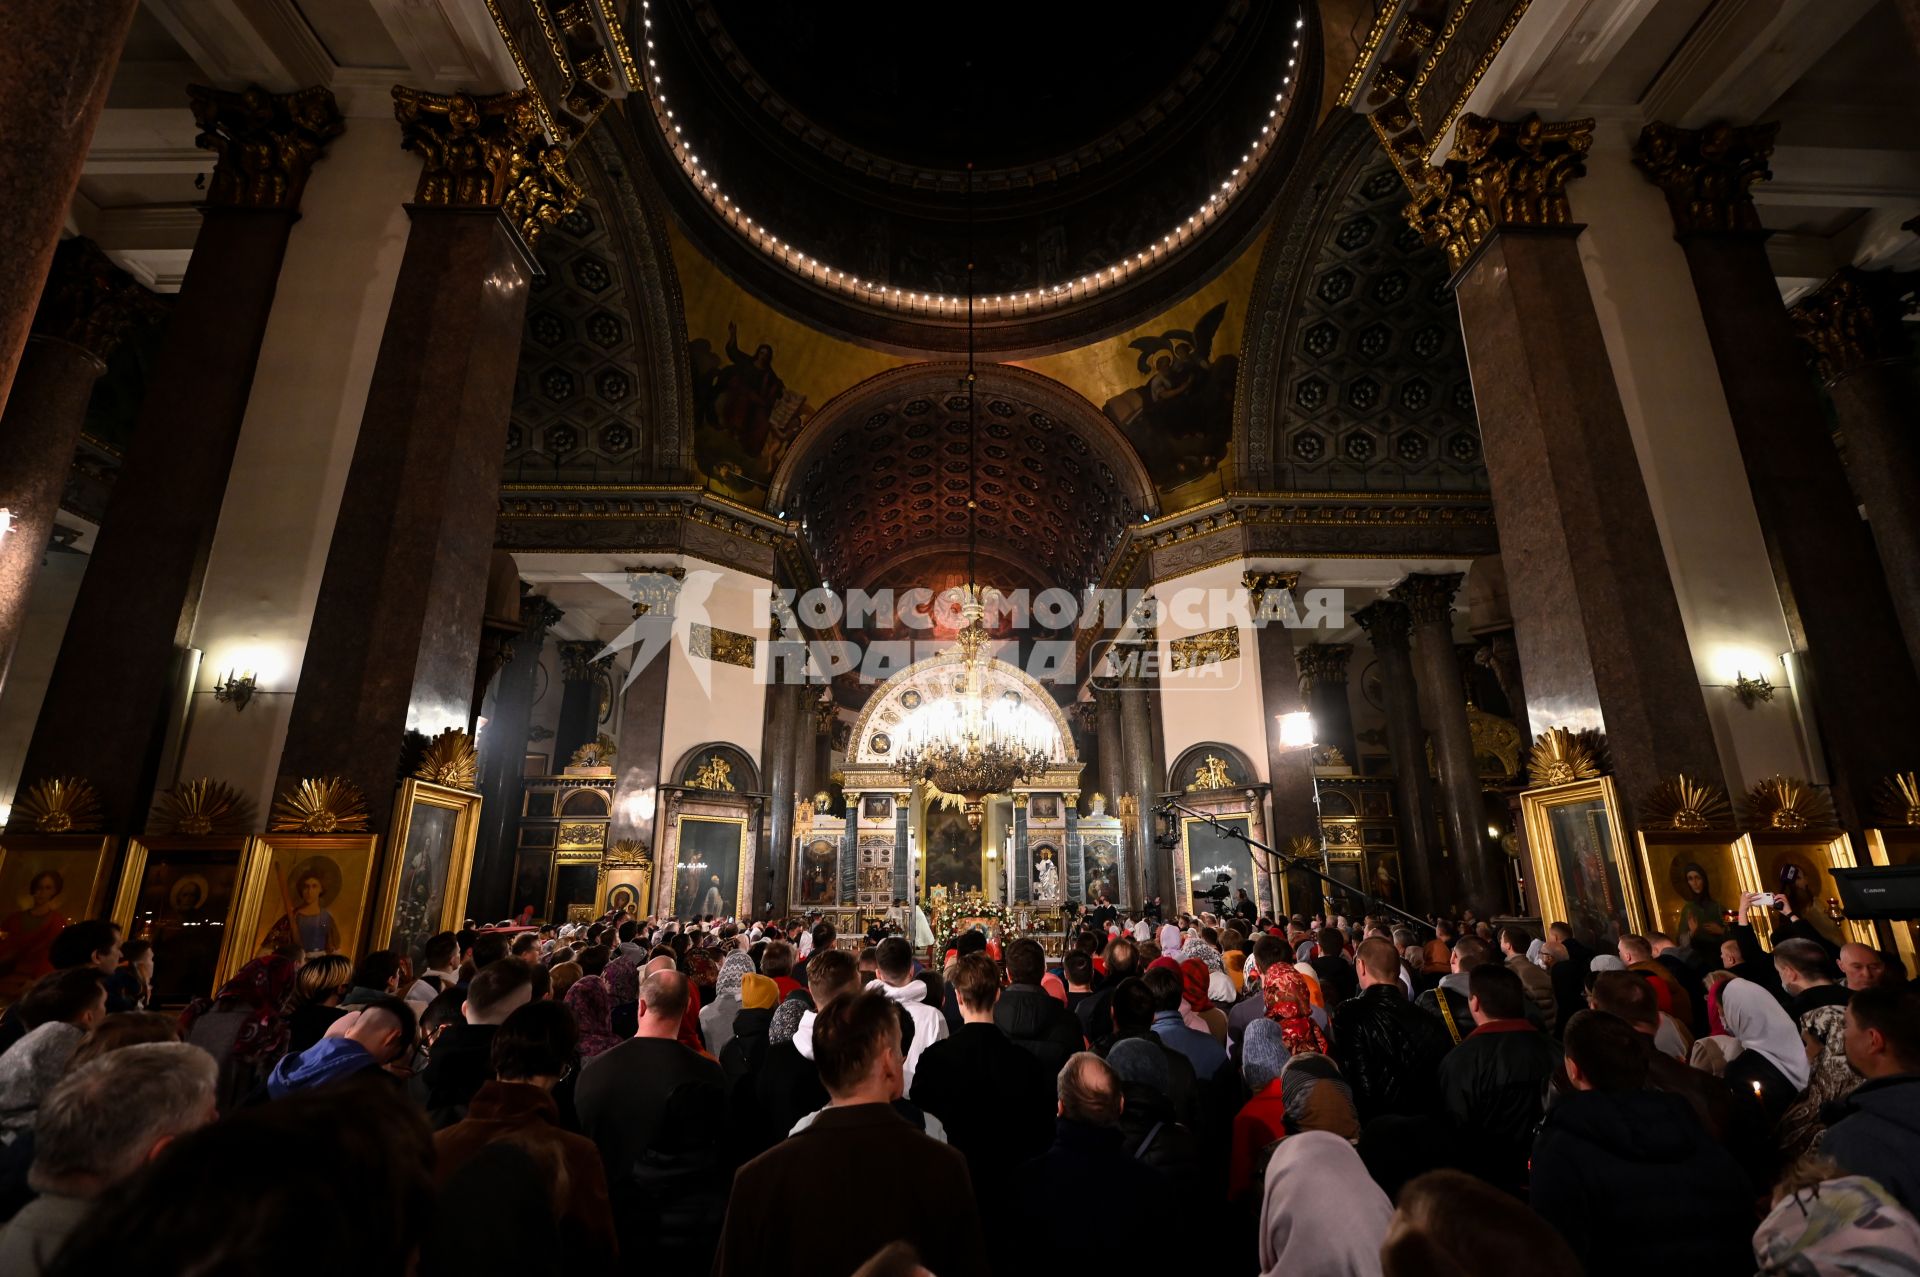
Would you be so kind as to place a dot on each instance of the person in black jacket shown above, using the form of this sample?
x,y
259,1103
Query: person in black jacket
x,y
1494,1083
1094,1010
1875,1131
1032,1017
1338,981
993,1097
1087,1174
462,1059
1388,1050
1628,1175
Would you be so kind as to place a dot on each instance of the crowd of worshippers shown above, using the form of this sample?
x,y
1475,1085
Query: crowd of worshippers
x,y
1293,1097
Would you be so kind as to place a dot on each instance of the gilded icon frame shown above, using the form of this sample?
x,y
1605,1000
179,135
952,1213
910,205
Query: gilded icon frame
x,y
84,881
1544,859
1729,865
363,849
1823,850
409,797
146,851
1899,845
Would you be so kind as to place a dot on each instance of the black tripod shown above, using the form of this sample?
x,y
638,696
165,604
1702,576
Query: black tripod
x,y
1256,848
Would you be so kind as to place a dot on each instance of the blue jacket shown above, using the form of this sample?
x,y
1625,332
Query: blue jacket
x,y
327,1060
1875,1132
1206,1054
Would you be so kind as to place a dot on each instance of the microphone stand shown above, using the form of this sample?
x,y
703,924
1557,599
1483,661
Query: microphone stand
x,y
1254,845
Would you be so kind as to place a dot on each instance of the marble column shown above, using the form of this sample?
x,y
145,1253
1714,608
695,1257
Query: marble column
x,y
579,721
393,644
1443,706
1022,858
850,850
786,735
503,751
1865,689
1854,328
56,65
87,306
1323,682
1503,658
1283,690
902,863
1110,764
115,691
1595,620
1144,774
1389,626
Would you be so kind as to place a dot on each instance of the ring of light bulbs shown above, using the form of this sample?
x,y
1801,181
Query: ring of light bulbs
x,y
941,305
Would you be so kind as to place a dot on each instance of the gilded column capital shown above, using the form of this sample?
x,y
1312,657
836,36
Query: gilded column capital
x,y
1429,595
1263,586
89,301
267,143
577,660
1856,319
1707,174
1322,663
538,614
1388,624
1499,173
487,153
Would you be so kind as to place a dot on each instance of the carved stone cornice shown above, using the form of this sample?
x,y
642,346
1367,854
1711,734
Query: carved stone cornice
x,y
89,301
1429,595
267,143
573,53
1856,319
1322,664
487,153
1388,624
1499,174
1707,174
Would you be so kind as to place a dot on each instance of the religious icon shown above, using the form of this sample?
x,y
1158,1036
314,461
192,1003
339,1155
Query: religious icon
x,y
183,898
1180,419
27,934
624,896
1701,922
744,415
1046,876
305,921
707,872
817,872
1212,774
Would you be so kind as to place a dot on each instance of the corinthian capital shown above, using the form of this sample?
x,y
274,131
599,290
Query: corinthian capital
x,y
1267,591
1387,624
1707,174
1855,319
487,152
1322,663
89,301
1500,173
1429,595
267,143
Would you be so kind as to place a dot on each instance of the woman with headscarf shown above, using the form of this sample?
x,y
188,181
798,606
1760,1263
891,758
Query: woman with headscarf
x,y
1219,985
1702,920
1196,1002
1169,940
1826,1222
1759,1054
1831,1077
591,1005
1321,1213
716,1020
244,1026
1262,1120
622,977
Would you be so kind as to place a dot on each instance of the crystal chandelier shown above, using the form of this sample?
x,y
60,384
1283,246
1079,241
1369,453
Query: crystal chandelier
x,y
966,744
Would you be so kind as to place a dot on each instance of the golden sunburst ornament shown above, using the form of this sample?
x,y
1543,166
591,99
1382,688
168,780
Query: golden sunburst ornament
x,y
202,806
63,805
1686,804
321,805
1560,757
1900,800
1303,847
449,760
1781,802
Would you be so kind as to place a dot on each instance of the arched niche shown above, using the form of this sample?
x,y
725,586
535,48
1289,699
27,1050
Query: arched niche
x,y
1184,774
739,773
873,743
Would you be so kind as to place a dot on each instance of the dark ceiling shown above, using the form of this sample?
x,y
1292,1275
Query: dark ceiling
x,y
997,82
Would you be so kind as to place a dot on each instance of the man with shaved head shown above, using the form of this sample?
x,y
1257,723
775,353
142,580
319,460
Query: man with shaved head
x,y
656,1109
1388,1050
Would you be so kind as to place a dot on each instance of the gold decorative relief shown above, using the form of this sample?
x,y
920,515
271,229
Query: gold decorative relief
x,y
1209,648
1900,800
582,835
320,805
1499,173
716,773
62,805
1783,802
1855,319
487,152
1707,174
266,142
598,752
1211,774
450,760
1560,757
719,645
199,807
1686,805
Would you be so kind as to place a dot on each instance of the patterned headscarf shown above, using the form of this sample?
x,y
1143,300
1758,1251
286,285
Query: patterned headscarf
x,y
1317,1098
1263,1054
1849,1225
1193,977
1290,1004
1204,952
735,969
703,968
623,981
265,990
786,1021
592,1009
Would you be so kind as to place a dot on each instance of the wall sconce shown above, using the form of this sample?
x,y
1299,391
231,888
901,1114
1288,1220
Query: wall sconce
x,y
236,691
1751,691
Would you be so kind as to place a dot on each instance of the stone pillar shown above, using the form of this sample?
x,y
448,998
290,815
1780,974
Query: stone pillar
x,y
1503,658
56,64
1388,628
1855,331
642,700
1323,683
1022,861
87,306
1073,874
850,850
503,751
1595,620
1864,687
1110,761
393,645
1443,705
579,720
1144,774
1283,690
135,612
787,734
902,863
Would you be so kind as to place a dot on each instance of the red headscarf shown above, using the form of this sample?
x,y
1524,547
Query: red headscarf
x,y
264,989
1193,979
1291,1004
